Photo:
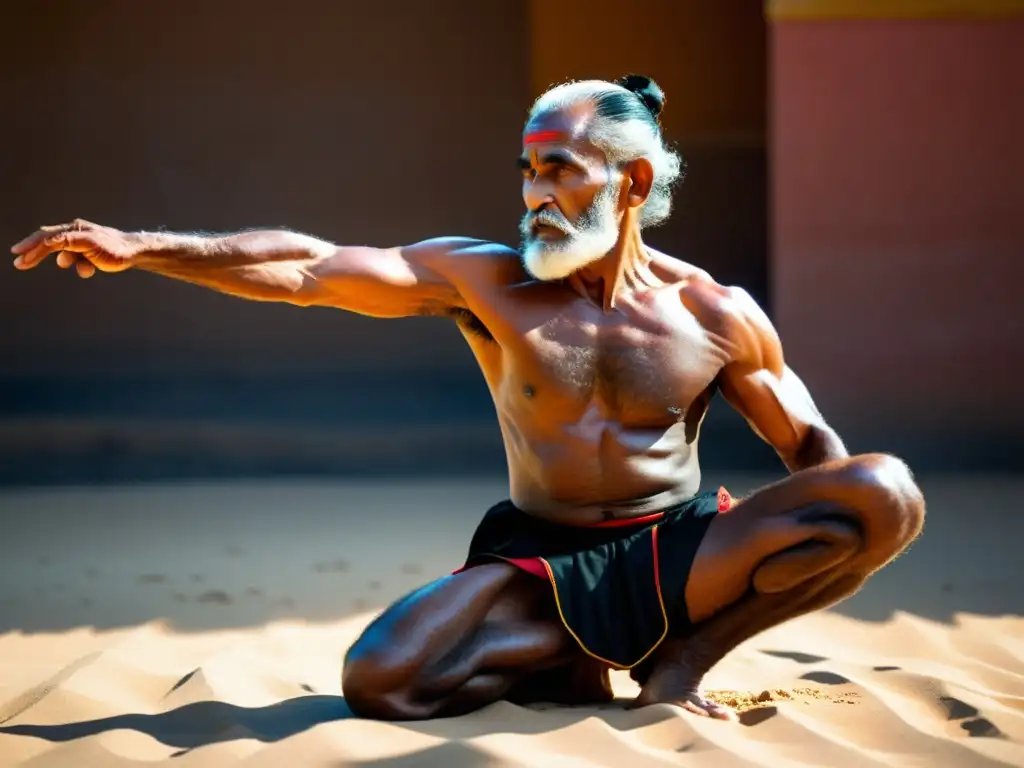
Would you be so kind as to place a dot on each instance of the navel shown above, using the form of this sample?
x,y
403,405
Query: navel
x,y
529,391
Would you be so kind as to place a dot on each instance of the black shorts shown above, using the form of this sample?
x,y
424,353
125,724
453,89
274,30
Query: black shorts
x,y
620,587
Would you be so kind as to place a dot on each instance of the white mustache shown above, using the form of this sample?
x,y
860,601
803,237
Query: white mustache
x,y
550,219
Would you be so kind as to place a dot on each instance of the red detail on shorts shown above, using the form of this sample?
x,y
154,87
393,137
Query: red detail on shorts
x,y
541,136
657,570
532,565
725,500
624,521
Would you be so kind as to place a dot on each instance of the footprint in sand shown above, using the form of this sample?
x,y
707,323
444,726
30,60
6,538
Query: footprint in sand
x,y
91,573
825,678
797,656
151,578
975,725
196,578
412,569
233,550
334,566
215,597
373,585
253,592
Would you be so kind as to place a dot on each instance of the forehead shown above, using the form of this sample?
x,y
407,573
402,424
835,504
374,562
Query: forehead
x,y
564,126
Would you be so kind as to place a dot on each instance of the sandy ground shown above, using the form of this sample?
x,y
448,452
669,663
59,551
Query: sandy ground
x,y
204,625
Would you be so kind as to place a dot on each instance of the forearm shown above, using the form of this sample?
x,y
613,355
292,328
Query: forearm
x,y
820,444
268,265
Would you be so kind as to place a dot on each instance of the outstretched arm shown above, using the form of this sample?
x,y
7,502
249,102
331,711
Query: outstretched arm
x,y
274,265
768,394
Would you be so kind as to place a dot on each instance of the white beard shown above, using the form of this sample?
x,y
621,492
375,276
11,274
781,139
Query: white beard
x,y
581,246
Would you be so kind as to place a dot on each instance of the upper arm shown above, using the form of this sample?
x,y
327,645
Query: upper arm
x,y
426,277
758,383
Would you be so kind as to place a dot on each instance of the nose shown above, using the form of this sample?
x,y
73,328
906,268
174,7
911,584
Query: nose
x,y
536,194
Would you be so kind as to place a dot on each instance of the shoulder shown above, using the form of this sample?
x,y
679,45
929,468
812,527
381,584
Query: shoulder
x,y
731,316
455,253
473,266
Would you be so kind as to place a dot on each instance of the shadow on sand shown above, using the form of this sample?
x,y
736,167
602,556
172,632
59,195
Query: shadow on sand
x,y
204,722
210,722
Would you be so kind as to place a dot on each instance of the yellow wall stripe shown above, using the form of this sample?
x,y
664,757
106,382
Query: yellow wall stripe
x,y
782,10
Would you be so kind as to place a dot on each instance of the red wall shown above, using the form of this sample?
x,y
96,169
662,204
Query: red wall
x,y
898,220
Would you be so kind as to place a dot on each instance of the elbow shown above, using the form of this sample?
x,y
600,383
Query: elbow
x,y
284,283
818,444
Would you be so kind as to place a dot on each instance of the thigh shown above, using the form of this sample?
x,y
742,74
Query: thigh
x,y
489,614
865,503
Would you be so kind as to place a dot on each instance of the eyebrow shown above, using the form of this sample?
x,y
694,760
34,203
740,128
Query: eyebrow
x,y
553,157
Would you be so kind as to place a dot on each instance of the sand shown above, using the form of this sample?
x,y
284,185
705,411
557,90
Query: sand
x,y
204,625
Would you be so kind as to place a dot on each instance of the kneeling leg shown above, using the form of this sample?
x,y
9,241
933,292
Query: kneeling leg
x,y
453,646
797,546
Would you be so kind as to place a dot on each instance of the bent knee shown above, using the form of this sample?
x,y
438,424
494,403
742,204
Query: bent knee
x,y
894,507
373,689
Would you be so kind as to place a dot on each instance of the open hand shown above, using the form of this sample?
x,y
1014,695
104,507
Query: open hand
x,y
80,244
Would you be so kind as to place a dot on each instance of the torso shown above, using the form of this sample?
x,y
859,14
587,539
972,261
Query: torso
x,y
600,411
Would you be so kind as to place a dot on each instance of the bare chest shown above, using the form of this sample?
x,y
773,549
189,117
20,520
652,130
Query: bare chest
x,y
641,367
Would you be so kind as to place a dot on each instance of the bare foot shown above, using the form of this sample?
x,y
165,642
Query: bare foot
x,y
693,702
676,683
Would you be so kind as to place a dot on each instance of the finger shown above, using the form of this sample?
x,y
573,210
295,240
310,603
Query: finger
x,y
37,237
66,259
30,242
34,256
85,269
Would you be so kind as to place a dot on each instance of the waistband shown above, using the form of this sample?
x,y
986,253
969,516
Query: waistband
x,y
724,500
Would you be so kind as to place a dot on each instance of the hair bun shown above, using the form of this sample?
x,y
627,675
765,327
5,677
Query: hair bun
x,y
648,91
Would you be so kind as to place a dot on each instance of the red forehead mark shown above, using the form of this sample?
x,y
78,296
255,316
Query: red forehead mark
x,y
538,137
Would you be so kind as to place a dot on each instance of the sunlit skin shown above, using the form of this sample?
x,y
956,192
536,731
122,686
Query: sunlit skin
x,y
600,382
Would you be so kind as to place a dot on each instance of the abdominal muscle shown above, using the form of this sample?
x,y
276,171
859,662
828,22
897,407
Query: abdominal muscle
x,y
577,475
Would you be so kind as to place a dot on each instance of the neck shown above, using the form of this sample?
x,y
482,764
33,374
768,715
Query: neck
x,y
621,270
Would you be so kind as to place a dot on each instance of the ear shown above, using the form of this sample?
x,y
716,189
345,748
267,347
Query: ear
x,y
640,174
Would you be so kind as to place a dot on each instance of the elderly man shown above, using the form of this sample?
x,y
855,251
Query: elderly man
x,y
602,356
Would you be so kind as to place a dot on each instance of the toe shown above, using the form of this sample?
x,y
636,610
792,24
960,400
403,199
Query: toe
x,y
721,713
695,708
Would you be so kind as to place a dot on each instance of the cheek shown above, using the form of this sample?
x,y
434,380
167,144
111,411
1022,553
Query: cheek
x,y
582,198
